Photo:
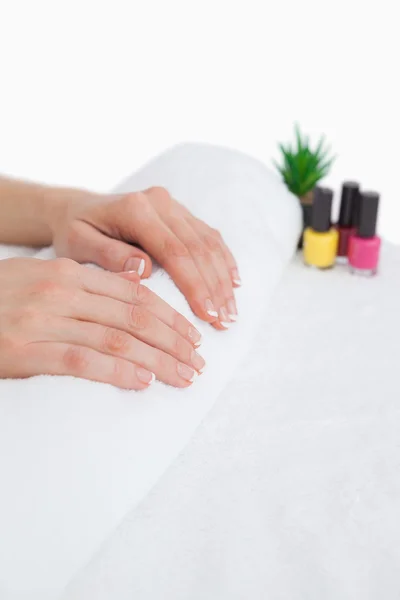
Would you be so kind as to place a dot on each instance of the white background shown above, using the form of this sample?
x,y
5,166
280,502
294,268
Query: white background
x,y
92,89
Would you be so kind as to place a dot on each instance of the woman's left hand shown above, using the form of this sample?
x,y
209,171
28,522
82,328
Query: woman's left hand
x,y
101,229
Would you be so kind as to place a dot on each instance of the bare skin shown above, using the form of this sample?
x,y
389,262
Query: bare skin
x,y
58,317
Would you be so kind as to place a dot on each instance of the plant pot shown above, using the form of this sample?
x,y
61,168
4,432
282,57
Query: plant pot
x,y
306,207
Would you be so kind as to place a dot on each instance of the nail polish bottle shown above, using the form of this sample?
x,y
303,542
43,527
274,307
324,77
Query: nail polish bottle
x,y
347,219
364,246
321,239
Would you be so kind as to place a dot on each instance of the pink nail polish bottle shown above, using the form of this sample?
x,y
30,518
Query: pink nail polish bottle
x,y
364,246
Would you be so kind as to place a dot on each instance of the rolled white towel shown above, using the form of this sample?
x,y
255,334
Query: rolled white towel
x,y
76,456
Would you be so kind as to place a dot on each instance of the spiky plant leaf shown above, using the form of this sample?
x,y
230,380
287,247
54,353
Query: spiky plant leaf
x,y
302,166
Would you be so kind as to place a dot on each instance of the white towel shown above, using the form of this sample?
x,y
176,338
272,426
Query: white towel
x,y
290,488
75,456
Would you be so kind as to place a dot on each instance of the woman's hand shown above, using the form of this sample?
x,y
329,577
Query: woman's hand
x,y
60,318
102,229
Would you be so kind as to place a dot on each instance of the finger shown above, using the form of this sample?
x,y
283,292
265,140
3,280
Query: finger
x,y
230,261
137,321
229,258
211,271
127,288
109,253
212,240
119,344
153,234
58,358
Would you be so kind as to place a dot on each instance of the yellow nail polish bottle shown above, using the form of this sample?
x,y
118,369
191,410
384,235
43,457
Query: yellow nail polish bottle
x,y
321,239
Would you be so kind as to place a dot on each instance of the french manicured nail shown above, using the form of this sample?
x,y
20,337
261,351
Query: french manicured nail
x,y
198,362
236,277
210,308
135,265
232,310
145,376
194,336
186,372
223,318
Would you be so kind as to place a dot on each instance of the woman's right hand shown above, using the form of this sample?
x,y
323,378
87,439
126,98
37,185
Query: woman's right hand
x,y
61,318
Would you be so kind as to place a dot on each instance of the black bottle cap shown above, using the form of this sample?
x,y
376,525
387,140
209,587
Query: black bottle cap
x,y
322,210
349,204
369,202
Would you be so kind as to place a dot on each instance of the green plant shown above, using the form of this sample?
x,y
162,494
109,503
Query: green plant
x,y
303,167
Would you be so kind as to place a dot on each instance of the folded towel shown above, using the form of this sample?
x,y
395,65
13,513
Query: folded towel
x,y
76,456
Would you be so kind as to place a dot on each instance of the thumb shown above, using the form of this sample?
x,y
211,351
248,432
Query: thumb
x,y
111,254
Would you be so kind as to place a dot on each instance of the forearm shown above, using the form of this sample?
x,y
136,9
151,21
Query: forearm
x,y
27,211
24,213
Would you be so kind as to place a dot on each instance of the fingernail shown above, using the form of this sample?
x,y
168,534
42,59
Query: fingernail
x,y
194,336
198,361
232,310
223,318
145,376
186,372
210,308
235,277
135,265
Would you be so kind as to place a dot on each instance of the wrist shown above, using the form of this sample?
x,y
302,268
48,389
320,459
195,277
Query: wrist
x,y
53,209
61,204
31,214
